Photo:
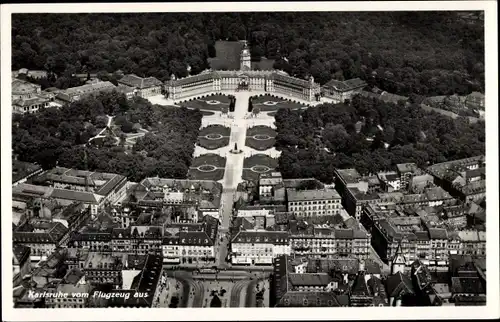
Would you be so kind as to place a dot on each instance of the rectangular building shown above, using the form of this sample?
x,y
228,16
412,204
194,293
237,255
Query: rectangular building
x,y
311,203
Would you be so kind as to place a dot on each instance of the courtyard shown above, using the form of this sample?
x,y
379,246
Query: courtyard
x,y
260,137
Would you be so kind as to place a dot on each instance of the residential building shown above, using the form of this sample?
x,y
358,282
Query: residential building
x,y
459,178
290,289
468,280
21,263
103,268
473,242
112,187
199,198
271,187
390,181
322,241
72,300
339,91
144,279
145,87
41,236
94,240
406,171
418,183
75,258
311,203
48,270
146,239
475,100
170,247
353,190
258,246
190,243
260,216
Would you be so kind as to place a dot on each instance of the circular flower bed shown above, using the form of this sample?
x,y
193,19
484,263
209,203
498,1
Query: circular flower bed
x,y
261,137
213,136
260,169
207,168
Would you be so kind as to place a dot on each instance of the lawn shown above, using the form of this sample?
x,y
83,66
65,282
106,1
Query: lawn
x,y
214,137
260,137
259,101
203,103
196,174
215,129
255,165
213,144
211,159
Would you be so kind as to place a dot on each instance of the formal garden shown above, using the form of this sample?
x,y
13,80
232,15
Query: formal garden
x,y
207,167
215,102
271,103
258,164
214,137
260,137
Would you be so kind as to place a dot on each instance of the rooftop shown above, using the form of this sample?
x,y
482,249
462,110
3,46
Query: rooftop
x,y
103,261
406,167
135,81
349,175
309,195
347,85
21,170
87,89
80,196
21,87
309,279
261,236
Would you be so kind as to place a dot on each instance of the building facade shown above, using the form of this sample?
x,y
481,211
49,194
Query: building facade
x,y
144,86
339,91
259,247
311,203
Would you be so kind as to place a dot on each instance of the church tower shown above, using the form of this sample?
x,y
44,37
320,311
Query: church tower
x,y
398,262
245,63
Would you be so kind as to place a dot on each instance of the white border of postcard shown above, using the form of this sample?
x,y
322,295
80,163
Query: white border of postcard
x,y
491,310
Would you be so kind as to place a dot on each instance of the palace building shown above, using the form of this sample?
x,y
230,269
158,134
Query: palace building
x,y
274,81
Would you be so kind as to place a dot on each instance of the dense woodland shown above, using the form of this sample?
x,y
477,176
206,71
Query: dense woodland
x,y
57,136
426,53
316,141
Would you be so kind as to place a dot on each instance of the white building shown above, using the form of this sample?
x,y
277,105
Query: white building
x,y
259,246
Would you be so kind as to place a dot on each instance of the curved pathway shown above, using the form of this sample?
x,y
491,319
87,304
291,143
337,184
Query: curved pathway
x,y
236,291
99,135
